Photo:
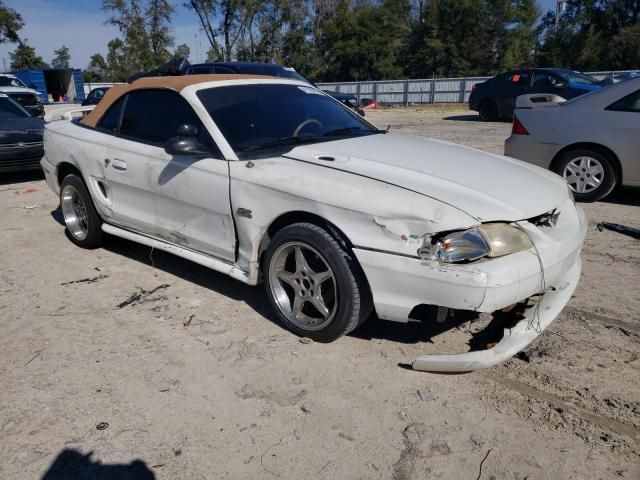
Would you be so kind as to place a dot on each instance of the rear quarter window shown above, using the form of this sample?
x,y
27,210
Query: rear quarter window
x,y
110,121
630,103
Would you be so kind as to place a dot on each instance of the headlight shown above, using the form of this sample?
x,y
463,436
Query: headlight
x,y
488,240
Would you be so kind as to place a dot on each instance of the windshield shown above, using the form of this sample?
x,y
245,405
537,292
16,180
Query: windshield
x,y
10,109
575,77
252,117
11,82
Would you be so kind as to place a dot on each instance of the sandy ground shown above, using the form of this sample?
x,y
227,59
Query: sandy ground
x,y
196,381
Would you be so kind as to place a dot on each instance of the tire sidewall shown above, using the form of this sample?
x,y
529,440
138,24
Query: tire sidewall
x,y
93,238
336,260
609,180
488,110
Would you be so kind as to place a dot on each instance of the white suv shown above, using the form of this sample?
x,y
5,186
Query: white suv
x,y
29,98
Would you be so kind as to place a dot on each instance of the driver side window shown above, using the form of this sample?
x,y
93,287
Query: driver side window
x,y
153,117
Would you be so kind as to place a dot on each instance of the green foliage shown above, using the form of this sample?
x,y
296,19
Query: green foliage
x,y
97,70
144,26
62,58
25,57
470,37
592,35
181,51
10,23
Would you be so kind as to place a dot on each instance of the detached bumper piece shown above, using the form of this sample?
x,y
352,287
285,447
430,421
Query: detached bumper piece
x,y
536,319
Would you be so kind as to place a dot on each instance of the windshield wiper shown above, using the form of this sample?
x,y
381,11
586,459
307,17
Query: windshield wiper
x,y
340,131
281,141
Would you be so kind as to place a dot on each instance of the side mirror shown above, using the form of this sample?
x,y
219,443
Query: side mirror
x,y
360,112
186,143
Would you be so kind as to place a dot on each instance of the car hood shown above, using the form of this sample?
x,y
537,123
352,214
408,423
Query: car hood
x,y
488,187
18,90
14,130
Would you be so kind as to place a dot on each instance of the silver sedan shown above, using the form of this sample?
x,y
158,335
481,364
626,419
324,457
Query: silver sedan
x,y
593,141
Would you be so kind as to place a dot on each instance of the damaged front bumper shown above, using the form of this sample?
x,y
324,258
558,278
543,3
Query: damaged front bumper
x,y
536,319
399,283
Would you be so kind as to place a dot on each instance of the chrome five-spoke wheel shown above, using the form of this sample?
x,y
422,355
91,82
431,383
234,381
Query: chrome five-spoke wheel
x,y
314,283
303,286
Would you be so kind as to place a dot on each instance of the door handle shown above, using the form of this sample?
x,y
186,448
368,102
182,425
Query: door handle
x,y
119,164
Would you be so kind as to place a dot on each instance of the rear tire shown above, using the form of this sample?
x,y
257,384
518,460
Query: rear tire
x,y
590,174
322,295
488,110
84,225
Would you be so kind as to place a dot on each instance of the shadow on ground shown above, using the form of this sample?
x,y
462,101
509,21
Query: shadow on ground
x,y
623,196
21,177
73,465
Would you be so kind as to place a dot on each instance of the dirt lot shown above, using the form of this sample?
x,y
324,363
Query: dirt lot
x,y
196,381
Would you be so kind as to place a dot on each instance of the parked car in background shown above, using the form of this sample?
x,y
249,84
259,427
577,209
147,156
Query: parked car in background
x,y
29,98
95,95
271,69
20,137
592,141
270,179
496,97
620,78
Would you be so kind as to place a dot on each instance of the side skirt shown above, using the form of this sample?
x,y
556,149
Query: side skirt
x,y
195,257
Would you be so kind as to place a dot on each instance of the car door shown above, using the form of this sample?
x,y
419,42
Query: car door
x,y
181,199
516,83
547,82
622,121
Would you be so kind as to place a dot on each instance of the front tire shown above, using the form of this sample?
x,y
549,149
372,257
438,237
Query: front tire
x,y
589,174
314,284
84,225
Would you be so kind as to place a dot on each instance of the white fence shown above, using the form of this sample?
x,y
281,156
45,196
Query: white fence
x,y
405,92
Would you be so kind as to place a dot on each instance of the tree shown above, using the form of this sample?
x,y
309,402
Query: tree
x,y
144,27
10,23
362,41
25,57
182,51
118,68
159,14
591,35
231,18
62,58
97,70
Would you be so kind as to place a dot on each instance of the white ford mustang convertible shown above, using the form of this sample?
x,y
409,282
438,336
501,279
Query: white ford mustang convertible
x,y
270,180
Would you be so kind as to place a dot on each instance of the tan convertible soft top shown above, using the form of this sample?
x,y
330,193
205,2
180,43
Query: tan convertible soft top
x,y
176,83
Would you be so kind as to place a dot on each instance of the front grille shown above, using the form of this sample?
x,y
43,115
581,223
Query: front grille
x,y
26,99
8,146
18,163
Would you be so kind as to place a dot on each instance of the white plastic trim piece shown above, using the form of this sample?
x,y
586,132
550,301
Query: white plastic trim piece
x,y
536,100
195,257
66,113
537,318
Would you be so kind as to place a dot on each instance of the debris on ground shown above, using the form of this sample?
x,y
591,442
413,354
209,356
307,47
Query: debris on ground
x,y
616,227
425,395
476,439
144,296
102,426
187,322
305,340
527,355
305,408
86,280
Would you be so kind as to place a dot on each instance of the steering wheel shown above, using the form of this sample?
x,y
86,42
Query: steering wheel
x,y
306,122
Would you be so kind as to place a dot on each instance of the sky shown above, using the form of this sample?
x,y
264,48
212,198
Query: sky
x,y
79,24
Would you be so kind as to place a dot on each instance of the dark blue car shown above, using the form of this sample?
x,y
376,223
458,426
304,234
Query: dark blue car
x,y
496,98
